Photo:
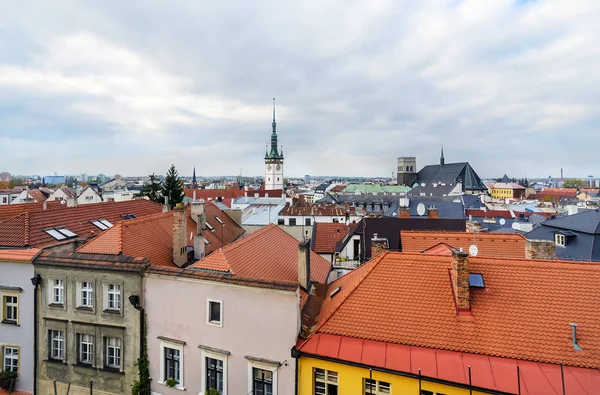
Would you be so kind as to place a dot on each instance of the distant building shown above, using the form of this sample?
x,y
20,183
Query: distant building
x,y
53,180
274,161
4,176
407,170
506,190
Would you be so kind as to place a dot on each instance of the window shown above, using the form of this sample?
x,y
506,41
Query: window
x,y
114,297
214,374
58,292
57,345
86,294
219,220
210,227
102,224
10,312
172,364
11,359
376,387
262,382
214,313
113,352
307,222
326,382
335,220
425,392
292,221
560,240
280,221
86,349
55,234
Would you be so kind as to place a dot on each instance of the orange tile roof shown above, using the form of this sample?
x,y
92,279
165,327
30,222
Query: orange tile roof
x,y
523,313
500,245
151,236
9,211
27,229
6,392
269,254
321,209
439,249
19,255
326,235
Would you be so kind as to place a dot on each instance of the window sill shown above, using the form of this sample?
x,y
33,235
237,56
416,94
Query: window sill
x,y
85,308
9,322
175,388
215,323
56,361
57,305
112,311
111,370
83,365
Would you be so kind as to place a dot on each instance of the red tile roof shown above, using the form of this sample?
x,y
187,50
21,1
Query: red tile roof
x,y
439,249
557,192
496,245
523,313
269,254
38,195
9,211
487,372
309,210
231,193
151,236
19,255
27,229
326,235
6,392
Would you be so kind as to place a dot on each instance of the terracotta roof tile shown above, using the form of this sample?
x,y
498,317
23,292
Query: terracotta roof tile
x,y
309,210
9,211
500,245
267,254
19,255
27,229
523,313
6,392
327,235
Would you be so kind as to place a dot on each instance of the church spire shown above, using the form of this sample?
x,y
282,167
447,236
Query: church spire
x,y
274,123
194,182
273,153
442,156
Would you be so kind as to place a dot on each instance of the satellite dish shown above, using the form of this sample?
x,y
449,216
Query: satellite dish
x,y
473,250
502,221
421,209
515,226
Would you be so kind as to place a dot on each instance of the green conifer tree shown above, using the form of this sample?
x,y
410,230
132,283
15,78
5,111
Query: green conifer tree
x,y
172,187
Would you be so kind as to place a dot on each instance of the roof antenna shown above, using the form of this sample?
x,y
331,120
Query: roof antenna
x,y
574,335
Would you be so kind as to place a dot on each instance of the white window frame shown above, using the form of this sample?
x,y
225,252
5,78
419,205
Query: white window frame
x,y
89,340
81,289
11,357
107,294
208,321
6,305
222,357
61,291
264,366
376,387
175,346
60,341
326,380
560,240
116,343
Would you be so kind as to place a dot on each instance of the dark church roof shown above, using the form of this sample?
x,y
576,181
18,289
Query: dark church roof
x,y
451,173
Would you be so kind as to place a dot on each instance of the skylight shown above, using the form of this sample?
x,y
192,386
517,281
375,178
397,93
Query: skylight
x,y
476,280
66,232
206,242
99,224
128,216
56,234
209,226
106,223
219,220
334,292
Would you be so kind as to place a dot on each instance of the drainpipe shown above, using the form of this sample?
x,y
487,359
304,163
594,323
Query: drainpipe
x,y
296,356
36,282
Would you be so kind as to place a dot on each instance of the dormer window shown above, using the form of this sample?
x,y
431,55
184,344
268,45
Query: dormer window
x,y
560,240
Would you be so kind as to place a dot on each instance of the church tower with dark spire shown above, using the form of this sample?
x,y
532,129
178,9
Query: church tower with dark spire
x,y
274,160
442,156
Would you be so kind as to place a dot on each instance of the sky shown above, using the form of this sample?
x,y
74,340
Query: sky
x,y
132,87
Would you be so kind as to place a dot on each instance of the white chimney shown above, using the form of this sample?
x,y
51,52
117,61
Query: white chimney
x,y
304,264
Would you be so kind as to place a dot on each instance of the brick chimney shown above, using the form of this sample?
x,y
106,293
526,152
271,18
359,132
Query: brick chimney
x,y
540,249
473,226
403,212
379,245
180,236
304,264
459,274
433,213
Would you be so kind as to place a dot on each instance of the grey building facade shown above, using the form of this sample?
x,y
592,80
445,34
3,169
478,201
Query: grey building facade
x,y
89,331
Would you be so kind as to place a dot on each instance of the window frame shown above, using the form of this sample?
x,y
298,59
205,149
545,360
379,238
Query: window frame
x,y
51,338
80,289
326,380
53,290
107,292
308,221
18,357
13,305
292,221
376,390
208,313
107,356
174,346
263,366
91,344
560,240
219,357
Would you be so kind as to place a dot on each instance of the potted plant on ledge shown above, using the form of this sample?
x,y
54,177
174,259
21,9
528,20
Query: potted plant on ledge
x,y
170,382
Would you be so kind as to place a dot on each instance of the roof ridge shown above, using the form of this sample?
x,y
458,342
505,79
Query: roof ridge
x,y
373,263
27,227
145,218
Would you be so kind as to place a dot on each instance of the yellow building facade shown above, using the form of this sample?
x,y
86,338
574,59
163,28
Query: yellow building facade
x,y
501,193
323,377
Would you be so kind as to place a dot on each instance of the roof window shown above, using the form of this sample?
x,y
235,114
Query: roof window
x,y
335,292
102,224
219,220
476,280
128,216
60,233
209,226
206,242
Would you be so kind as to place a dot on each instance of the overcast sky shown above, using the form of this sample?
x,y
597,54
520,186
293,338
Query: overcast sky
x,y
130,87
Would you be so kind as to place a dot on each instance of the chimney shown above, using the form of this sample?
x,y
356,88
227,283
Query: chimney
x,y
180,236
379,245
304,264
460,280
199,243
45,205
473,226
166,206
71,202
198,212
540,249
403,212
433,213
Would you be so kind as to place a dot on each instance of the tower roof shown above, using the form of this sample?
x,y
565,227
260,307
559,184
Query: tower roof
x,y
273,153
